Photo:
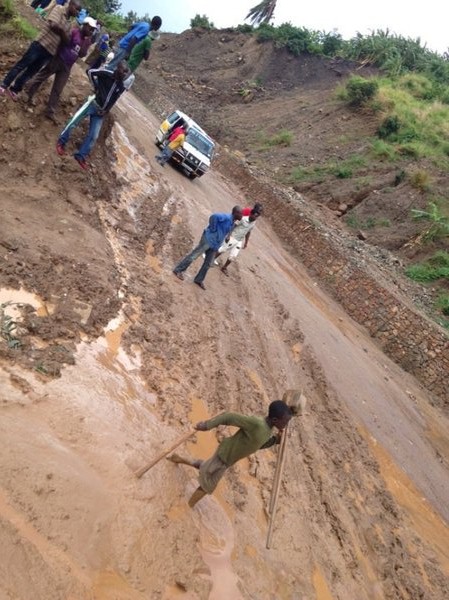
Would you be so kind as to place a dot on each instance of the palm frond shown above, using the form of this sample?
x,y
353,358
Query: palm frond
x,y
262,13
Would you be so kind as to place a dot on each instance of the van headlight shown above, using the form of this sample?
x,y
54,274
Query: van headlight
x,y
193,159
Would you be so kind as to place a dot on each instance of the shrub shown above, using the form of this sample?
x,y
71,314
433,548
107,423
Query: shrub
x,y
295,39
389,126
360,90
420,180
439,227
201,21
436,267
381,149
411,150
244,28
343,172
443,304
283,138
331,43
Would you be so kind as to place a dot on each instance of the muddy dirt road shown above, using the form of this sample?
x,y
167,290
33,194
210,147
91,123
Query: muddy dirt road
x,y
363,511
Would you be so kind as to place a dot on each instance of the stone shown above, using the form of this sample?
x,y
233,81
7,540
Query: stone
x,y
13,121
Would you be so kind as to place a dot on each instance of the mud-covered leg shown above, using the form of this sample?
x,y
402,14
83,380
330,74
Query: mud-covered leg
x,y
196,496
180,460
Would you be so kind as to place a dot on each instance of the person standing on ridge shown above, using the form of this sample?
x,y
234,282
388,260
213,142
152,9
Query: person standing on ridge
x,y
220,224
56,30
136,33
255,433
141,50
61,65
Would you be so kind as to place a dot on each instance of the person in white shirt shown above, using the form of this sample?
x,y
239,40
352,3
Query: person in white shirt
x,y
238,239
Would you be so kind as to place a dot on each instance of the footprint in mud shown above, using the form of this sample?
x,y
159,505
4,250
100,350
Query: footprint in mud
x,y
216,545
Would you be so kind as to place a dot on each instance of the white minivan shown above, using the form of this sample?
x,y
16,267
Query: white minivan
x,y
196,154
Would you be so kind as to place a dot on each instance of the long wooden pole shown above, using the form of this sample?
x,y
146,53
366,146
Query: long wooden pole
x,y
276,486
276,471
164,453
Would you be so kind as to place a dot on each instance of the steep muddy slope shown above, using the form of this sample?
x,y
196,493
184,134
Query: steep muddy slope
x,y
77,523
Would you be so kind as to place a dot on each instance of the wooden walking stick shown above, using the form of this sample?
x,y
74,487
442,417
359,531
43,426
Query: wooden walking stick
x,y
276,486
163,454
277,471
296,400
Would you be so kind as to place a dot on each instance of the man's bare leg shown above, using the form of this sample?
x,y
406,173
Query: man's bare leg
x,y
196,496
180,460
224,268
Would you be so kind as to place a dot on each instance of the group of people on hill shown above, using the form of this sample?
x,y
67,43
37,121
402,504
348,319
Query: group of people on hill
x,y
67,35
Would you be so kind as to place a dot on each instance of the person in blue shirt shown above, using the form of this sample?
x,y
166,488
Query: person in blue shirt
x,y
220,226
136,34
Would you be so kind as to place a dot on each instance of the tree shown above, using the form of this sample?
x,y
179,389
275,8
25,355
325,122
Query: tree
x,y
201,21
262,13
131,18
102,7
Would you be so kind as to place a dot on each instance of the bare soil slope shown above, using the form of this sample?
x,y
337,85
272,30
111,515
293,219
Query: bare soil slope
x,y
116,358
244,93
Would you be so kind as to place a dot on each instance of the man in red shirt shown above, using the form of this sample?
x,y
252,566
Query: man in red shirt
x,y
239,236
174,141
258,207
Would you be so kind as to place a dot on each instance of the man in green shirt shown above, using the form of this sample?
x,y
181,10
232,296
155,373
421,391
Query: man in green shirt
x,y
140,52
254,433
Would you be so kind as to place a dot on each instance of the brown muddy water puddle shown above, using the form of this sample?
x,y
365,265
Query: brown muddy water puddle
x,y
12,300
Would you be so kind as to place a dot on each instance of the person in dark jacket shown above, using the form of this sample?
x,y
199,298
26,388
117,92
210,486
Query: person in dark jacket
x,y
108,87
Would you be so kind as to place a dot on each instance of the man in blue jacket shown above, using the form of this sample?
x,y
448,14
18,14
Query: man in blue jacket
x,y
220,225
136,34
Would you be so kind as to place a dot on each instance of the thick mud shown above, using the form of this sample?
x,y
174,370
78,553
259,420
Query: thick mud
x,y
363,509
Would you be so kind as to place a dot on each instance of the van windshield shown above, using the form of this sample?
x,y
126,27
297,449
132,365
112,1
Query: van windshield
x,y
173,118
200,142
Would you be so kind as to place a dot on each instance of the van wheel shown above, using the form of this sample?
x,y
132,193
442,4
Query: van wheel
x,y
192,176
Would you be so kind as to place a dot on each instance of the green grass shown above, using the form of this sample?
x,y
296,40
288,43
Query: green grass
x,y
443,304
423,121
343,169
436,267
384,151
8,327
283,138
13,24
